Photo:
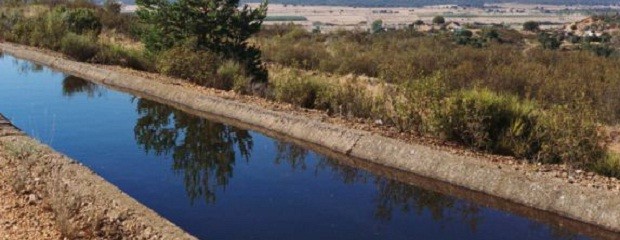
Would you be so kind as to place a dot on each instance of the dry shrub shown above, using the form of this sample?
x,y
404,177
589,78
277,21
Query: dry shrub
x,y
80,47
199,67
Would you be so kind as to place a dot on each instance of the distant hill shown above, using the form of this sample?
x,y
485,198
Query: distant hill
x,y
419,3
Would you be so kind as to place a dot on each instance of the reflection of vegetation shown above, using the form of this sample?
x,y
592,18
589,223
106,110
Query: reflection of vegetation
x,y
24,67
203,150
391,194
72,85
293,155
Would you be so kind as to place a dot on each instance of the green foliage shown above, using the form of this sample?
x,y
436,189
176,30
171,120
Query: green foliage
x,y
117,55
43,30
568,134
80,47
609,166
232,72
377,26
199,67
601,50
216,26
531,26
347,98
396,57
298,89
439,20
411,106
574,39
83,20
490,34
548,41
485,120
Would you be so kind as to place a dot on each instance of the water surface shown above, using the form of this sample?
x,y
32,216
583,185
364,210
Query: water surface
x,y
217,181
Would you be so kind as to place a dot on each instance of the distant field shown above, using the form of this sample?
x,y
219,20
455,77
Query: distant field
x,y
420,3
285,18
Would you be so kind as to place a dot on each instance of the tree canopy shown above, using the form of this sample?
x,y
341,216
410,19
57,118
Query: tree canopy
x,y
217,26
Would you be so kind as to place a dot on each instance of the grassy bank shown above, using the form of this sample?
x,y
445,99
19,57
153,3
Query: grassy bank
x,y
488,91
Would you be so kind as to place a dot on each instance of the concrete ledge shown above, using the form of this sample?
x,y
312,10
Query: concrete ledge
x,y
101,206
582,204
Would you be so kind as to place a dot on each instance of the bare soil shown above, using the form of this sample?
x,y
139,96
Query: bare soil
x,y
23,215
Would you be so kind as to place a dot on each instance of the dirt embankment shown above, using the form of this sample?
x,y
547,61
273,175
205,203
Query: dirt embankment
x,y
22,214
46,195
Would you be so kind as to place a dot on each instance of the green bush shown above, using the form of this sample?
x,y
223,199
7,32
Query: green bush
x,y
531,26
117,55
82,20
43,30
80,47
412,105
485,120
609,166
439,20
296,88
349,99
199,67
568,135
232,72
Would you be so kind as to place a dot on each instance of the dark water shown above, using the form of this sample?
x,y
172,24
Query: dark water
x,y
221,182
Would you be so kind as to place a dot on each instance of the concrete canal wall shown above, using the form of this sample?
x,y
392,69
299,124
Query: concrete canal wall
x,y
587,205
86,205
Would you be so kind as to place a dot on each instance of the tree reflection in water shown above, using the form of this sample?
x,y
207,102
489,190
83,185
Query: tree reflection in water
x,y
72,85
391,194
25,67
203,150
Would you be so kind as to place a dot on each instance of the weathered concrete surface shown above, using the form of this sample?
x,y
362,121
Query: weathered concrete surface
x,y
100,205
586,205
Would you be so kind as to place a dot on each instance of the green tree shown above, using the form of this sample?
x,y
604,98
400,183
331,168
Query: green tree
x,y
217,26
439,20
548,41
82,20
531,26
377,26
490,34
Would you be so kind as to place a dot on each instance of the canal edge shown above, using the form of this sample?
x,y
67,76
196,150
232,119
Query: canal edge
x,y
586,205
99,204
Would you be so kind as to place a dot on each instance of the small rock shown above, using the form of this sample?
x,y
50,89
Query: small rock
x,y
379,122
32,199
